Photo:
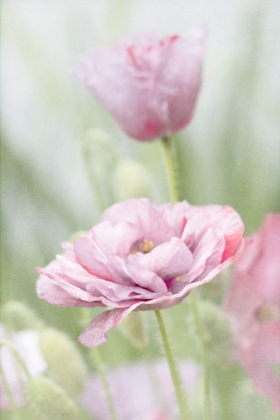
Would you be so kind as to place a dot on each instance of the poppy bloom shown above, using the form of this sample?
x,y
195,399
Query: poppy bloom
x,y
149,85
253,306
141,257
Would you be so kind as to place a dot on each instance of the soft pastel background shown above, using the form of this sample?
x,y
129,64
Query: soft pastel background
x,y
228,155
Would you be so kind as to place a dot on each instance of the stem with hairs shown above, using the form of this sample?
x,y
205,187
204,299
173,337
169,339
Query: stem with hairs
x,y
99,365
174,195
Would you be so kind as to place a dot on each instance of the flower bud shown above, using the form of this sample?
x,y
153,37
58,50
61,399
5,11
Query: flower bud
x,y
76,235
48,401
16,316
134,329
217,332
131,180
100,157
65,364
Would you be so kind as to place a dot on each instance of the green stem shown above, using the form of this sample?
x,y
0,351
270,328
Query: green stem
x,y
171,174
204,356
174,194
98,363
181,398
17,356
9,394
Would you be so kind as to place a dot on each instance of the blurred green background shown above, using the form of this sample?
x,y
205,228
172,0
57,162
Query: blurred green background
x,y
229,154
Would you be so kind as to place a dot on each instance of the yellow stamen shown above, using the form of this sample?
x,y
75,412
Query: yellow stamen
x,y
144,247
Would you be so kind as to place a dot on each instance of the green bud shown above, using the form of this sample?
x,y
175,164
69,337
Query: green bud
x,y
133,328
47,401
217,332
100,157
16,316
65,363
131,180
77,235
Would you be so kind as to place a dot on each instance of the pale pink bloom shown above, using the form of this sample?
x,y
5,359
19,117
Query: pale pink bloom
x,y
140,257
26,344
150,85
253,305
141,391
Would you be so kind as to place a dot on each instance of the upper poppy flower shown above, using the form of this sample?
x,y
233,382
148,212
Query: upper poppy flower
x,y
150,85
253,306
139,257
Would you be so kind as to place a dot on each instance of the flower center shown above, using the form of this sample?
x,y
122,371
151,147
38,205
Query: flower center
x,y
268,313
145,246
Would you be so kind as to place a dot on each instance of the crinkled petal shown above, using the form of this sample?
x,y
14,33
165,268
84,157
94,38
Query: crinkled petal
x,y
95,333
167,260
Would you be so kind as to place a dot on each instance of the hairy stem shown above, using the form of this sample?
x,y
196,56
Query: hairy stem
x,y
181,398
99,365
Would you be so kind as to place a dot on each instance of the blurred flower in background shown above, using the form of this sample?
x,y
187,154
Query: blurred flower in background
x,y
141,390
150,85
24,351
253,306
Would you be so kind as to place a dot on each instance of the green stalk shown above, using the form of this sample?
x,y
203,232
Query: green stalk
x,y
9,394
13,349
170,169
204,356
181,398
99,365
174,194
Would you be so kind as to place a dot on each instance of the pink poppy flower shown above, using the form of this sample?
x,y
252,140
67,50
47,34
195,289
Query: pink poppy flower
x,y
140,257
149,85
26,343
253,306
140,391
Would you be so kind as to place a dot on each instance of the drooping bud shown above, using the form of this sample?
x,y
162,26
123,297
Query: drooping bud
x,y
65,363
47,401
16,316
131,180
133,328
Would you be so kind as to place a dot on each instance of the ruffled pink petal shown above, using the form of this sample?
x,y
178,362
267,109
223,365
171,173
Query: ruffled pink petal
x,y
145,215
165,302
167,260
207,255
231,224
53,293
175,216
117,293
117,238
91,258
146,279
95,333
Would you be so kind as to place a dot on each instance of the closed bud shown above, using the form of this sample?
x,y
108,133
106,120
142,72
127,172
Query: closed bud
x,y
77,235
65,363
217,332
47,401
133,328
100,157
16,316
131,180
